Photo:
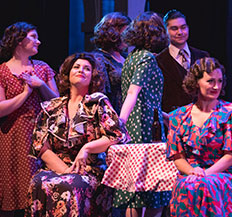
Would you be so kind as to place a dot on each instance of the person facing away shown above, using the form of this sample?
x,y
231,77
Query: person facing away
x,y
24,83
142,87
199,143
110,51
175,60
69,133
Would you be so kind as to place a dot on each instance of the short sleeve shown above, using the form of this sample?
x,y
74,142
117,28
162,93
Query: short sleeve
x,y
174,144
143,70
228,135
43,70
50,73
110,124
40,136
2,77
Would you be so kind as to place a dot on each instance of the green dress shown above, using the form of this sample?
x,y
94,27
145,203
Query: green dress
x,y
141,69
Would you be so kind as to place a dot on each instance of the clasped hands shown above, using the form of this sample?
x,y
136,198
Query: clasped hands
x,y
32,80
195,174
79,163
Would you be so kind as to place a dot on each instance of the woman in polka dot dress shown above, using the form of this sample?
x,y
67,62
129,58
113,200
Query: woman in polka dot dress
x,y
23,84
142,88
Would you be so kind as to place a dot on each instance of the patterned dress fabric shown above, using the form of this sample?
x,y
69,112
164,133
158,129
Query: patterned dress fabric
x,y
140,68
203,146
52,194
113,71
15,137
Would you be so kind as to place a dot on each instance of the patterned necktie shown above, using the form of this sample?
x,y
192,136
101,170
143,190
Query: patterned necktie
x,y
185,62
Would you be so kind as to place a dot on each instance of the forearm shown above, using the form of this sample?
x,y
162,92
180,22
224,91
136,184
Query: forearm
x,y
127,107
183,166
221,165
129,102
98,146
47,92
10,105
53,162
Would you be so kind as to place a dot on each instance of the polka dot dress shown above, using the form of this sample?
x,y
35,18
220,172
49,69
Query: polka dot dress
x,y
141,69
15,138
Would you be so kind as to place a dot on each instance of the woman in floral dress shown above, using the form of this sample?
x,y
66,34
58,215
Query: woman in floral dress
x,y
200,144
24,84
69,133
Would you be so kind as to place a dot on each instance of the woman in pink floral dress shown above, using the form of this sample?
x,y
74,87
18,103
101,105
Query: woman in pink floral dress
x,y
200,144
69,134
24,83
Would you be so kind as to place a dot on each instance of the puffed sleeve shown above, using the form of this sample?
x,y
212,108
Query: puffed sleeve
x,y
40,136
110,124
143,69
174,142
228,134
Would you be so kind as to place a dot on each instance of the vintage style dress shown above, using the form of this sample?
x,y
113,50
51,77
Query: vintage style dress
x,y
140,68
15,137
113,71
203,146
52,194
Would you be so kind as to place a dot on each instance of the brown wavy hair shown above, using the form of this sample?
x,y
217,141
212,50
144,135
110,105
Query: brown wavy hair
x,y
196,72
97,79
107,32
147,31
13,34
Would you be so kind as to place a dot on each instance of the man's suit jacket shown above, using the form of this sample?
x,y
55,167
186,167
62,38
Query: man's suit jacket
x,y
174,95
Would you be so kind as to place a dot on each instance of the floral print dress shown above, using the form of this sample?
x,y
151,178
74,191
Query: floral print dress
x,y
52,194
203,146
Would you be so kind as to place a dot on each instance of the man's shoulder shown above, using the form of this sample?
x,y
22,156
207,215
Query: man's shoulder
x,y
198,52
163,54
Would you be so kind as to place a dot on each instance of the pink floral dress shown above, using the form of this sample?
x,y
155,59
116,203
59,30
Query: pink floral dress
x,y
203,146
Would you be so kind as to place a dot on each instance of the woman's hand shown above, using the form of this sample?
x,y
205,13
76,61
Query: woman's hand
x,y
32,80
195,174
27,89
80,161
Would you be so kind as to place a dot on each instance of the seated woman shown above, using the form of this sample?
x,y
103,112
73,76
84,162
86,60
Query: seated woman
x,y
69,133
200,143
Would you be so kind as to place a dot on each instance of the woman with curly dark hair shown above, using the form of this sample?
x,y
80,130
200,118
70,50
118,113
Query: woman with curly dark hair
x,y
199,143
142,88
110,51
69,133
24,83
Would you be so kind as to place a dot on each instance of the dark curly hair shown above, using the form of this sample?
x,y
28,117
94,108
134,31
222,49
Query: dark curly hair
x,y
97,79
147,32
107,32
196,72
172,14
12,36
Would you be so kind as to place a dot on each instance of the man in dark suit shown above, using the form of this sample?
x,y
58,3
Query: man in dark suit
x,y
175,60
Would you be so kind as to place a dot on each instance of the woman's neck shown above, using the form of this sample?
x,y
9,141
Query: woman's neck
x,y
17,66
117,56
22,61
205,105
76,94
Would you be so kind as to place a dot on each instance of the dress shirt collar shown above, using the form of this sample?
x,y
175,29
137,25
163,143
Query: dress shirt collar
x,y
174,51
